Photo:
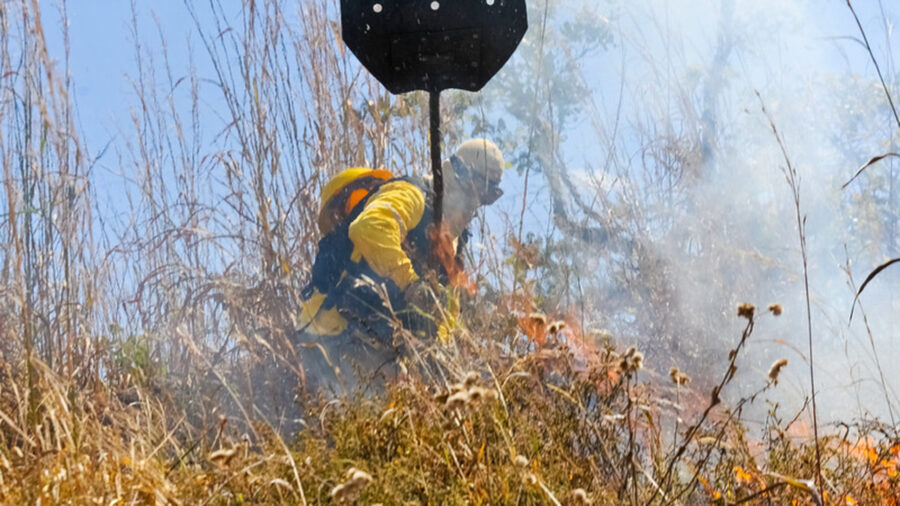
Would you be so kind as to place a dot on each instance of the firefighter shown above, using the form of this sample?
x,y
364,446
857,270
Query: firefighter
x,y
379,251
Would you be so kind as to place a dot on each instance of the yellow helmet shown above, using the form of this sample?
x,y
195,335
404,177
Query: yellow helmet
x,y
336,203
339,181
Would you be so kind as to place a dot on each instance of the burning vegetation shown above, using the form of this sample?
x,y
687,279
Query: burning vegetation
x,y
562,424
594,350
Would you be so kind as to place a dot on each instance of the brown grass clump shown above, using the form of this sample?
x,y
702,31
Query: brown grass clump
x,y
554,426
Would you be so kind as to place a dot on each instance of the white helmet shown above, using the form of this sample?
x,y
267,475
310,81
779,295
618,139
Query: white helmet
x,y
482,167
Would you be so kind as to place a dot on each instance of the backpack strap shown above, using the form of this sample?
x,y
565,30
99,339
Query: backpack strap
x,y
335,247
341,205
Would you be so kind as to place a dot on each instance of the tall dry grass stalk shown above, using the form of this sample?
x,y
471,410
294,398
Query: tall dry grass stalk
x,y
51,288
793,180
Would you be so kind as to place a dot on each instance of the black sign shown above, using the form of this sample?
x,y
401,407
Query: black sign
x,y
433,45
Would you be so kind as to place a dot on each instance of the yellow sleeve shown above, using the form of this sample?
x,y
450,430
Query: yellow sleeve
x,y
378,232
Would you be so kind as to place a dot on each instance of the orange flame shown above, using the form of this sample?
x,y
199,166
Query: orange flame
x,y
444,251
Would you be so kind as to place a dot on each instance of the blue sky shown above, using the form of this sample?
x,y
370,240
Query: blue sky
x,y
102,48
102,56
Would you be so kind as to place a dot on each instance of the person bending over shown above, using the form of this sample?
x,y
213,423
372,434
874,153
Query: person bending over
x,y
380,253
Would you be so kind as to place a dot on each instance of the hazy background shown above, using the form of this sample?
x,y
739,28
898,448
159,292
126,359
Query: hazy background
x,y
656,199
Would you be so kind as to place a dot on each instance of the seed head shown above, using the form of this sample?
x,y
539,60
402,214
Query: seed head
x,y
222,457
350,489
339,493
775,370
441,397
458,400
775,309
359,476
678,377
637,361
557,327
477,394
579,496
632,361
538,318
746,310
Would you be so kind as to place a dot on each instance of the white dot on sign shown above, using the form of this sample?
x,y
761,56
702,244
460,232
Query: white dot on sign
x,y
377,8
490,2
435,6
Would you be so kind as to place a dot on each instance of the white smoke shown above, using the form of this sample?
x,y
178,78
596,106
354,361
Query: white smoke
x,y
822,94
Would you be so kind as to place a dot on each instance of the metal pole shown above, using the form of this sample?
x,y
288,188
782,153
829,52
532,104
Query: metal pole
x,y
436,169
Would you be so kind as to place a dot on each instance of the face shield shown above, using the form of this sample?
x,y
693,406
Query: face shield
x,y
486,188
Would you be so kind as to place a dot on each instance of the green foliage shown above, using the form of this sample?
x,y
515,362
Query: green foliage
x,y
132,356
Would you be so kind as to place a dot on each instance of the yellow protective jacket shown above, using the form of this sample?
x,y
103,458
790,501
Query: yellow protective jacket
x,y
377,235
379,231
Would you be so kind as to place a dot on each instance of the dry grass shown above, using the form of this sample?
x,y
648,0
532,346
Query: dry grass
x,y
147,358
562,425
